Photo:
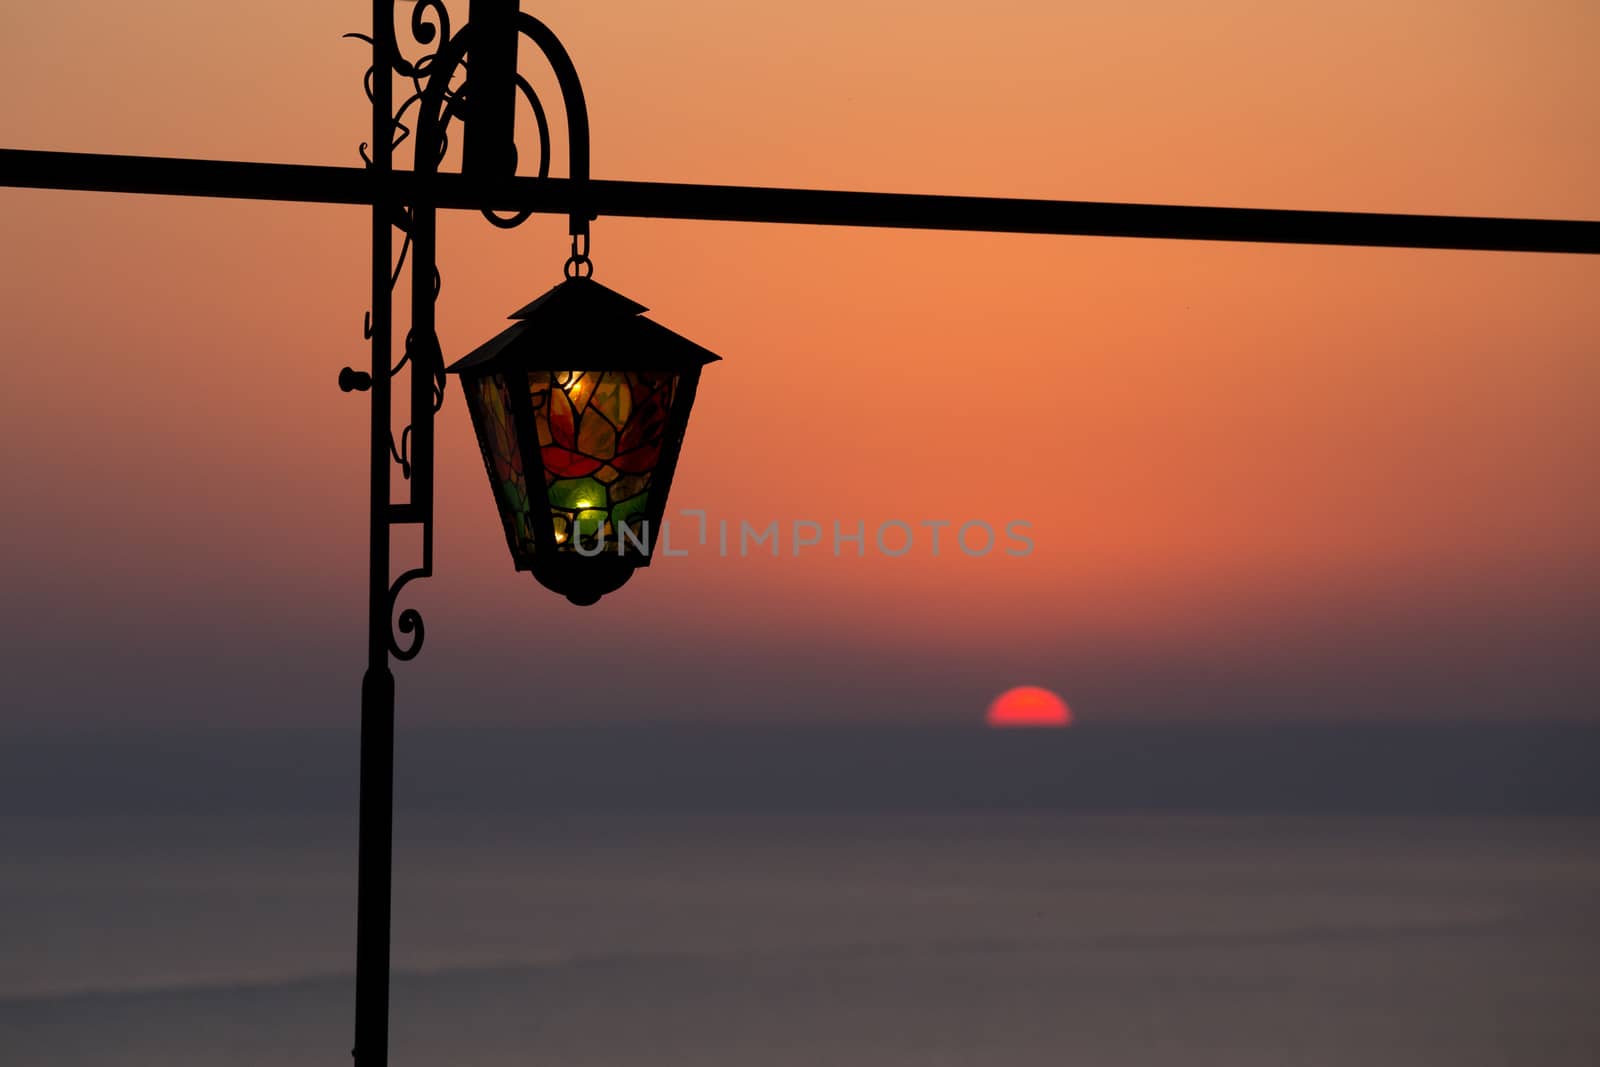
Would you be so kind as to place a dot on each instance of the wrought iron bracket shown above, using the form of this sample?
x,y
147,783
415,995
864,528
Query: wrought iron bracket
x,y
469,75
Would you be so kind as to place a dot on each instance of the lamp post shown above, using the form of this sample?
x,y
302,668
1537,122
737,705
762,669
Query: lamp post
x,y
580,406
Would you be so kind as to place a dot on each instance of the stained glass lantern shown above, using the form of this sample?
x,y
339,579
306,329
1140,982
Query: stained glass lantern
x,y
580,408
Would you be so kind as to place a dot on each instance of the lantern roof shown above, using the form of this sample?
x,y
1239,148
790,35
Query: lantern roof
x,y
580,297
582,312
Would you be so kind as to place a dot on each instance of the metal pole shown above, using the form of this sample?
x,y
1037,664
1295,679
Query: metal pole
x,y
377,686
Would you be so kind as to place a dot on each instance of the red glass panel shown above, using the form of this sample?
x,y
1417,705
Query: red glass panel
x,y
565,463
609,425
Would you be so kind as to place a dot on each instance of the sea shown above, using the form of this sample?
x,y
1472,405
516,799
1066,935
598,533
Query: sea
x,y
140,931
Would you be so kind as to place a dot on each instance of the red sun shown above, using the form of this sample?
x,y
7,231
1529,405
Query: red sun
x,y
1029,705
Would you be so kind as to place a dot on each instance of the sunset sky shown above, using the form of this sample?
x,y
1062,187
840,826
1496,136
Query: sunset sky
x,y
1264,483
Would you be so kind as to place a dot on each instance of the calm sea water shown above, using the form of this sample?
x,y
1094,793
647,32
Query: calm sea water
x,y
881,940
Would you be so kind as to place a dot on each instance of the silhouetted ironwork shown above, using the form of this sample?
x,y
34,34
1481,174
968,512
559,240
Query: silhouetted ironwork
x,y
471,74
430,105
485,98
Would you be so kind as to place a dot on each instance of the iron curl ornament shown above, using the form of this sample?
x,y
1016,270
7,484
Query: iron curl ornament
x,y
451,75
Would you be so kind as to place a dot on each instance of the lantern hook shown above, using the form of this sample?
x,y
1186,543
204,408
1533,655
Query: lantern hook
x,y
578,264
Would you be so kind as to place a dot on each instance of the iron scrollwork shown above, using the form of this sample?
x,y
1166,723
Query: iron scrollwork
x,y
440,84
409,620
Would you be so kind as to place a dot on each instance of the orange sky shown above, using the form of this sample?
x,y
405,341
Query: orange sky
x,y
1254,474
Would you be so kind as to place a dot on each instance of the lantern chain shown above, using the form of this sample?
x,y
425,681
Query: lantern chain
x,y
578,264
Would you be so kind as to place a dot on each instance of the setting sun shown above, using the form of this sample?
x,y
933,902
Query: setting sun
x,y
1029,705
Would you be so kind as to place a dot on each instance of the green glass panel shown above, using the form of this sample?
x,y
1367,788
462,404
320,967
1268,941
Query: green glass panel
x,y
514,495
575,494
630,511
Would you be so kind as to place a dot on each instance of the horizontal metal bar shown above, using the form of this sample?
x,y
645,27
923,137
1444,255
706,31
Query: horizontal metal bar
x,y
406,513
736,203
1090,219
185,177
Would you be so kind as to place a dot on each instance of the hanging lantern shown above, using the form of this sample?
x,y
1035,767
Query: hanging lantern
x,y
580,409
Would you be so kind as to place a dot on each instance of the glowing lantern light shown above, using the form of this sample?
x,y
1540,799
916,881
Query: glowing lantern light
x,y
593,399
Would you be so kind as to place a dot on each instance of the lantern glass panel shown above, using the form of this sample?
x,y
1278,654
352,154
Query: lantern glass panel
x,y
601,435
497,436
